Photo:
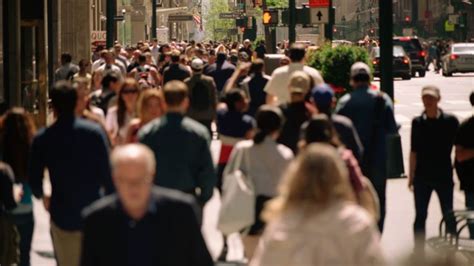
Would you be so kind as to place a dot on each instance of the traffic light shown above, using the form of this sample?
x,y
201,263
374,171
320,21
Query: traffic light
x,y
407,19
270,17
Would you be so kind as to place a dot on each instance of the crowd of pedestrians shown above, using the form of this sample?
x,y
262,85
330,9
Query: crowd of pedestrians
x,y
302,176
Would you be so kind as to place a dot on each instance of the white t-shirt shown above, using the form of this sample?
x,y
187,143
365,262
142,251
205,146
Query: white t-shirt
x,y
278,84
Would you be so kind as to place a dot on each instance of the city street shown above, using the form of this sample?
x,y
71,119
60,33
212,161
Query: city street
x,y
397,239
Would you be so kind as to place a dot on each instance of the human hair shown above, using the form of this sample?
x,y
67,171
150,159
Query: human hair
x,y
269,120
142,58
143,102
314,180
133,153
297,53
361,78
16,135
63,98
320,129
257,66
471,98
121,107
232,97
66,58
175,93
175,56
82,64
109,78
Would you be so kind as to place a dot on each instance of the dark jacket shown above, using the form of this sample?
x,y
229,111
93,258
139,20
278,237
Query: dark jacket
x,y
348,135
175,71
181,147
7,201
220,72
199,81
168,234
254,86
75,152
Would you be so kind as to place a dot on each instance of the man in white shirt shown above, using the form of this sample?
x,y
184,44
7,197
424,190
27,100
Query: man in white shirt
x,y
277,87
110,65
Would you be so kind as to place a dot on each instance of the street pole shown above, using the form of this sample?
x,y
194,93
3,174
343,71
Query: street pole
x,y
111,24
292,21
386,46
153,19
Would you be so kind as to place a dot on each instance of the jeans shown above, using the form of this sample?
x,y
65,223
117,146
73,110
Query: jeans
x,y
470,205
423,193
25,224
380,186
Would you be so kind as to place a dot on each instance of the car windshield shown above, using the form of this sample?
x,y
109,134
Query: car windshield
x,y
463,49
409,45
397,51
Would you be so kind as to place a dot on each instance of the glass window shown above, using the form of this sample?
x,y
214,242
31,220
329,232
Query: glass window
x,y
398,51
463,49
2,85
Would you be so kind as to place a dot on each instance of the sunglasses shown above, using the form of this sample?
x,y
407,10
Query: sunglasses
x,y
129,91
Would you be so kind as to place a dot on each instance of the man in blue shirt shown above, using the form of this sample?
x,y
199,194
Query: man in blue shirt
x,y
75,152
372,114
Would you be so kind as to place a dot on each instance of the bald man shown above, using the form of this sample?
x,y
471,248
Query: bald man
x,y
142,224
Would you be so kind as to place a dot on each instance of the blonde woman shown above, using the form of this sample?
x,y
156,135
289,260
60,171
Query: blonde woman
x,y
314,220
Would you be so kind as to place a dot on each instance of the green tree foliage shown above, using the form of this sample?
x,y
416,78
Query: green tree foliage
x,y
277,3
213,21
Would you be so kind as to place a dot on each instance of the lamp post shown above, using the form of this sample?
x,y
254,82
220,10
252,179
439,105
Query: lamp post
x,y
124,24
292,21
111,24
343,19
153,19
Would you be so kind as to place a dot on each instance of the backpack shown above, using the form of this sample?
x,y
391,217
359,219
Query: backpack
x,y
200,96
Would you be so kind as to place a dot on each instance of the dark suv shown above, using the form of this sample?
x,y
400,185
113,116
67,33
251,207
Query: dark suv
x,y
413,48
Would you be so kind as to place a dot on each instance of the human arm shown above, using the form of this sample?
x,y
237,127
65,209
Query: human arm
x,y
206,177
231,83
103,164
413,152
464,154
412,168
36,167
6,187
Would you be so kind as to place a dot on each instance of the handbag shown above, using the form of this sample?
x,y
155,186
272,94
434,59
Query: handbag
x,y
237,211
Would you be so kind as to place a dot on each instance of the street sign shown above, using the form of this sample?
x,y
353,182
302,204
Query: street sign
x,y
449,27
175,18
228,15
318,3
319,15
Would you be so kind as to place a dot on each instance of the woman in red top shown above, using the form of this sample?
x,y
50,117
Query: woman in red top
x,y
151,105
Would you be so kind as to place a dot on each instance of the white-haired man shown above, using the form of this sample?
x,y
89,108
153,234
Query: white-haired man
x,y
142,224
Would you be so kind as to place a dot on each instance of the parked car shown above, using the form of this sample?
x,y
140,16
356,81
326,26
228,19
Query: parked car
x,y
414,49
459,59
401,62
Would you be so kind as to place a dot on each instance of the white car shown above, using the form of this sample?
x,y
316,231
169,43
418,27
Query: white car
x,y
459,59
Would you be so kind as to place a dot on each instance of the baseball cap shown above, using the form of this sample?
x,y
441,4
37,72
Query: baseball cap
x,y
197,64
322,96
431,91
360,68
299,82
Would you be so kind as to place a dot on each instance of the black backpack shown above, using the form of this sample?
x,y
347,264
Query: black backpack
x,y
200,96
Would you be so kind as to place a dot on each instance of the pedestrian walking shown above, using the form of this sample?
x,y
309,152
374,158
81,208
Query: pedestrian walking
x,y
295,111
17,132
75,153
263,161
324,101
142,224
314,221
67,70
145,71
220,71
261,50
465,160
432,138
84,71
107,96
247,49
84,108
254,85
202,96
175,71
119,117
9,242
151,106
111,65
372,114
277,88
181,147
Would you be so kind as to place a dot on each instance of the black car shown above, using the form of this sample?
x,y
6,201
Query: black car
x,y
401,62
413,48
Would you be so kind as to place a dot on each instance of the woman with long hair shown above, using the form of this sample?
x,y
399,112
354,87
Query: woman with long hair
x,y
151,105
314,220
119,117
17,130
263,161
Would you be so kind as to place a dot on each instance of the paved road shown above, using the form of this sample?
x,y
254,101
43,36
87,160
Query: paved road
x,y
397,240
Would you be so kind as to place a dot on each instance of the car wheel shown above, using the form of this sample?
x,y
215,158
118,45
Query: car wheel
x,y
406,77
422,73
413,74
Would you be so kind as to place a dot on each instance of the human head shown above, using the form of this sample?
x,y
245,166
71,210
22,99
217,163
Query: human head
x,y
221,57
319,129
151,105
197,65
96,79
81,85
109,57
17,130
316,179
269,122
297,53
142,59
247,43
257,67
360,75
176,96
117,49
84,64
299,86
63,99
127,100
66,58
236,100
431,97
175,56
133,171
284,61
111,81
322,96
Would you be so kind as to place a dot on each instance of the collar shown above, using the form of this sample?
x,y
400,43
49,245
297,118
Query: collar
x,y
151,209
438,115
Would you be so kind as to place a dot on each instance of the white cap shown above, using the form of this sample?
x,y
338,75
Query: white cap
x,y
197,64
360,68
